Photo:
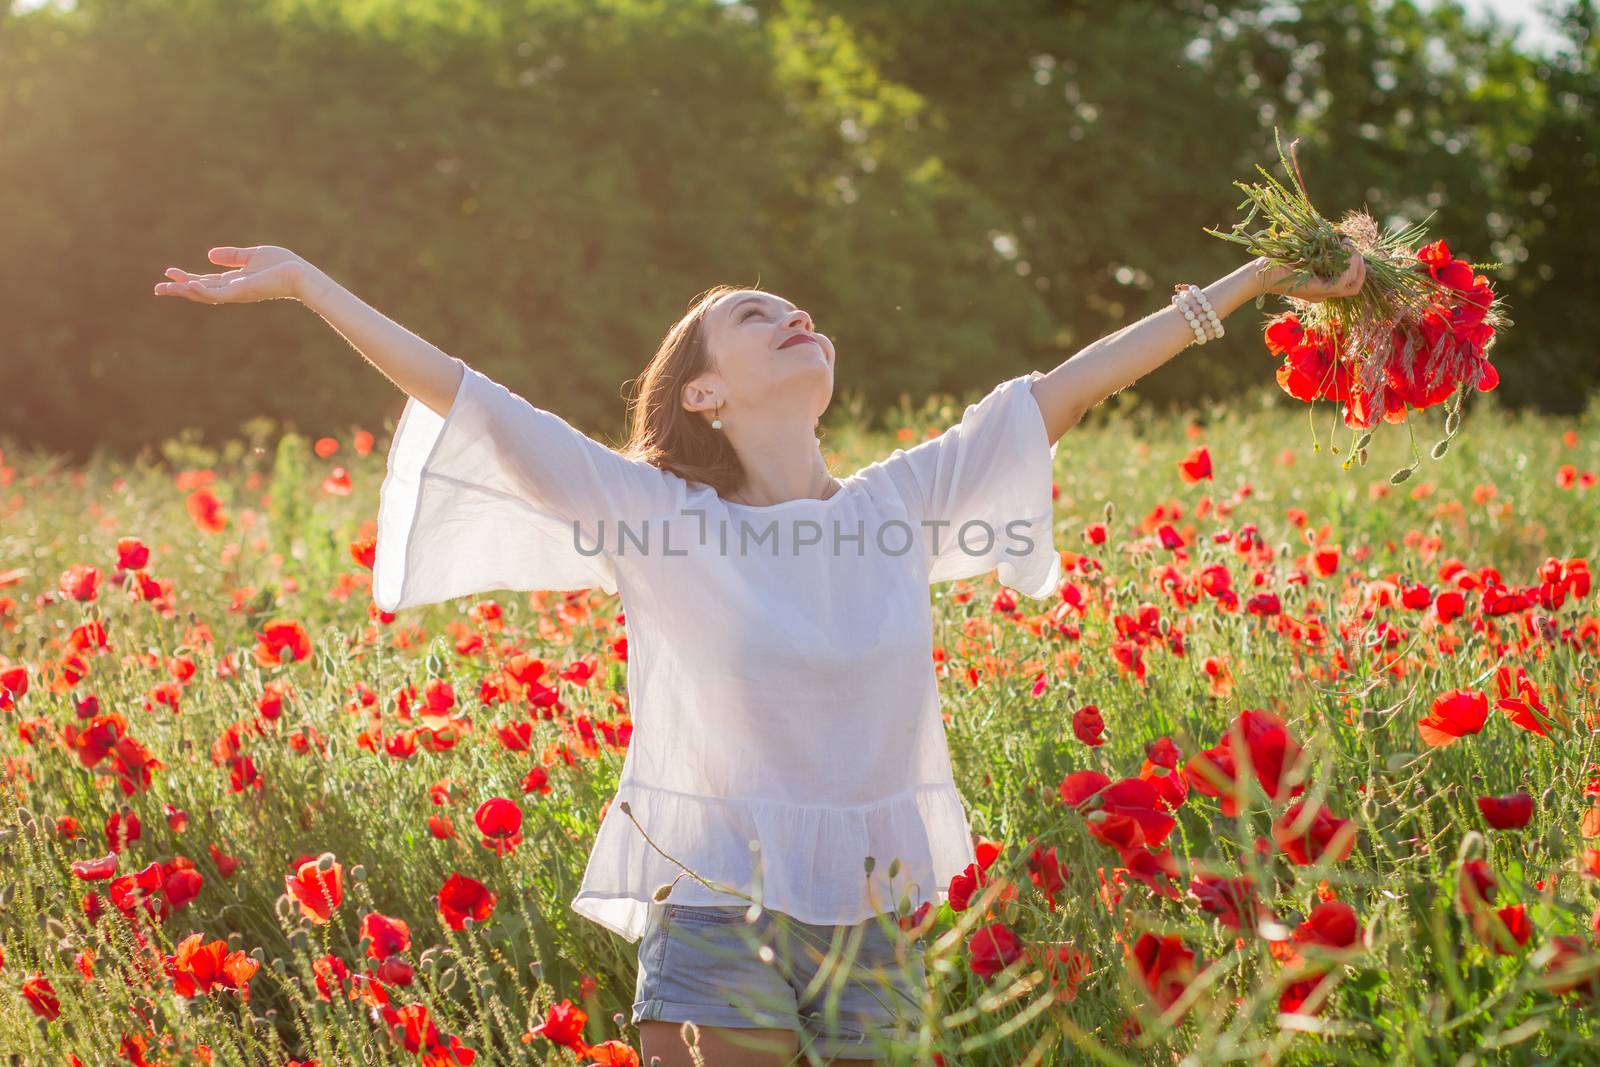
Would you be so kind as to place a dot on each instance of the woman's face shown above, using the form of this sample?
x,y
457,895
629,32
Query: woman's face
x,y
768,361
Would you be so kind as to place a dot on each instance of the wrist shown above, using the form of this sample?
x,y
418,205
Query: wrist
x,y
1269,275
310,284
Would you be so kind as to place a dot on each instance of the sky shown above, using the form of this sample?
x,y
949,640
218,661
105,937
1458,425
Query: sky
x,y
1534,30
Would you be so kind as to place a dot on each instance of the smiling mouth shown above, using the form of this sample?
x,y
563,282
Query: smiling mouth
x,y
799,339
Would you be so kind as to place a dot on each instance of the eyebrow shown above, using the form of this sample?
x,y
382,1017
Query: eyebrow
x,y
746,300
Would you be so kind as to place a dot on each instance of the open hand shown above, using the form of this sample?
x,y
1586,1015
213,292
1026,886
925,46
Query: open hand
x,y
265,272
1318,289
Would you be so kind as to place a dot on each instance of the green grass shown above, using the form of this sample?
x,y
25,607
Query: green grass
x,y
1418,986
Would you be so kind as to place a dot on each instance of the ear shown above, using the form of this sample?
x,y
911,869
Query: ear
x,y
699,395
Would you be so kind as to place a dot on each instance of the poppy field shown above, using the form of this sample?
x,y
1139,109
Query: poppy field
x,y
1297,766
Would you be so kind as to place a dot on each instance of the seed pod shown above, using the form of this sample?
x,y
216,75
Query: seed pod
x,y
1451,422
1363,441
1400,475
1361,457
1441,448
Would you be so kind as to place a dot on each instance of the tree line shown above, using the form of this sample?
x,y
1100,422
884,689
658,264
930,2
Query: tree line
x,y
958,190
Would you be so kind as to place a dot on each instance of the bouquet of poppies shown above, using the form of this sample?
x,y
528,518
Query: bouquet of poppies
x,y
1416,335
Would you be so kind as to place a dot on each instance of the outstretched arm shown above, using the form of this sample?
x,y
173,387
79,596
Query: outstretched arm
x,y
270,272
1118,360
418,367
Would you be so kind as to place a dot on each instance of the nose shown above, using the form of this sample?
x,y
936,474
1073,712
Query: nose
x,y
800,315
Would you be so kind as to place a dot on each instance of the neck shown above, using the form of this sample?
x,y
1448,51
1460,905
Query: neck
x,y
775,476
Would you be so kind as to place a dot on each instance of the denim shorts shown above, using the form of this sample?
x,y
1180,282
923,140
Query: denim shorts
x,y
841,987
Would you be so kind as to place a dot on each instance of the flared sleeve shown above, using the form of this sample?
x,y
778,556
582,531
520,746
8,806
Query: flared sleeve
x,y
981,493
500,494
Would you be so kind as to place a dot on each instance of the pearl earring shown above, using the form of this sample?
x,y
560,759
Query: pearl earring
x,y
716,423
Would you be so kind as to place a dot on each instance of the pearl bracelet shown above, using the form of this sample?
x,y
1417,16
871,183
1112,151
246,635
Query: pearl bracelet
x,y
1205,324
1211,312
1181,302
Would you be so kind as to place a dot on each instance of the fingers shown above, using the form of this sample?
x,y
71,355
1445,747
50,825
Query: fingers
x,y
202,288
197,286
1355,277
228,256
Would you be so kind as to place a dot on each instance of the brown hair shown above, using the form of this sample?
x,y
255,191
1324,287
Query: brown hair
x,y
661,432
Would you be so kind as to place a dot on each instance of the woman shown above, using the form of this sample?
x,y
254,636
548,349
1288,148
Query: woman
x,y
787,745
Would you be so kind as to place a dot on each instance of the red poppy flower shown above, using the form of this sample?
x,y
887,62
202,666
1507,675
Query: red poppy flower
x,y
1164,966
122,830
395,971
1573,968
1079,786
500,822
181,882
80,582
1293,1000
1172,786
41,996
388,936
1089,726
1509,812
611,1053
1323,837
1064,968
1519,699
132,554
1196,466
963,887
1304,372
197,968
1284,333
1232,900
1509,930
1449,605
282,641
206,510
1454,715
318,891
1163,752
1264,604
1213,773
1138,800
462,898
226,864
992,949
96,870
1476,886
329,972
1332,923
563,1025
1157,869
1046,873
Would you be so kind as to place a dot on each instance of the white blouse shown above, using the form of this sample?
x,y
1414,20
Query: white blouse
x,y
780,658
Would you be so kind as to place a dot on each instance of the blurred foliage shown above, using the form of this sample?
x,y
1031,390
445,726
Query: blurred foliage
x,y
957,191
